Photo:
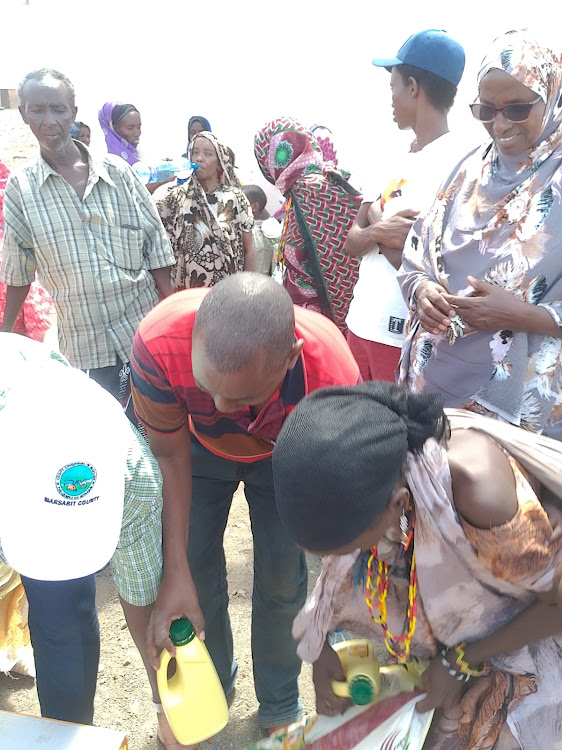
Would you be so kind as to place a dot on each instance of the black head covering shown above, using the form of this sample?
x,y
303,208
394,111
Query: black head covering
x,y
206,125
119,111
341,452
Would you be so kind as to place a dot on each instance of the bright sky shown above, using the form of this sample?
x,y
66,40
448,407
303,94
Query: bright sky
x,y
243,63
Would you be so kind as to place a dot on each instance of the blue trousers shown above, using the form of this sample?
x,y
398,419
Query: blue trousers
x,y
280,580
64,629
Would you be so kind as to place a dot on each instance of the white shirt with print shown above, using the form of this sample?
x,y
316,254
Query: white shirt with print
x,y
377,311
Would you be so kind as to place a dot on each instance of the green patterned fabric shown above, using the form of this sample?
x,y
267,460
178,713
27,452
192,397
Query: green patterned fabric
x,y
321,207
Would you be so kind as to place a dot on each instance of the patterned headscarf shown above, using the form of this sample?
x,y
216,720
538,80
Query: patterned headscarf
x,y
324,137
540,70
115,143
499,218
189,199
206,126
285,149
321,207
228,176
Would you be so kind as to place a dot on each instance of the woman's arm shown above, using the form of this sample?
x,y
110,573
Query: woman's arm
x,y
153,186
492,308
484,493
415,265
540,620
485,496
421,289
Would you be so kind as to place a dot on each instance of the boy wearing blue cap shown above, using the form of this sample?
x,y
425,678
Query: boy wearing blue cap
x,y
423,79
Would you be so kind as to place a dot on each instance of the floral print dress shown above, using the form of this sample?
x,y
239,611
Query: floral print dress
x,y
205,229
499,219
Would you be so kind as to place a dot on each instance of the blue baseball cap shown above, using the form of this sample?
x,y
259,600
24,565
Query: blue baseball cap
x,y
432,50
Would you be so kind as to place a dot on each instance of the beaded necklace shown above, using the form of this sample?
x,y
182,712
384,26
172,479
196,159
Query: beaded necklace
x,y
392,642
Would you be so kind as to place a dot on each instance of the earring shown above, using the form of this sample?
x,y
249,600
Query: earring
x,y
404,529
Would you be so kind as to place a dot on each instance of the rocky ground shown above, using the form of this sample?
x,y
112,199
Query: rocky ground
x,y
123,698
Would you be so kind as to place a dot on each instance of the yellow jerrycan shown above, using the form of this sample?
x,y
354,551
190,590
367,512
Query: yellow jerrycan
x,y
365,681
193,698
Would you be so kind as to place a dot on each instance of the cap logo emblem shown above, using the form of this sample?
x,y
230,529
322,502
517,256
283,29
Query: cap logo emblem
x,y
75,480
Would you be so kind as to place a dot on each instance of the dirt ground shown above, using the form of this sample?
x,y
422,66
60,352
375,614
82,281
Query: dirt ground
x,y
123,699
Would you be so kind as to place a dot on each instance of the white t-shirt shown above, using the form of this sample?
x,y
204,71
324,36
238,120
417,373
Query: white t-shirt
x,y
377,311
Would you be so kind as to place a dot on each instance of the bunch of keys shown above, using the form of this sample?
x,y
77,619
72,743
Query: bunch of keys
x,y
455,329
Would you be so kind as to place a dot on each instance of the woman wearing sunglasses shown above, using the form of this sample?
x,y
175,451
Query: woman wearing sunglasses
x,y
483,271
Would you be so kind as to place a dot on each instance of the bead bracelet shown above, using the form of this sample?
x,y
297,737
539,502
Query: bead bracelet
x,y
463,666
451,669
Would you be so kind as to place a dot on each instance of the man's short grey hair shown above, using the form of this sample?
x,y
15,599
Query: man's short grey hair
x,y
40,75
243,315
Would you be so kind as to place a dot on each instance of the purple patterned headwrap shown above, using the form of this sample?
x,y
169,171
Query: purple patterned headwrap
x,y
115,143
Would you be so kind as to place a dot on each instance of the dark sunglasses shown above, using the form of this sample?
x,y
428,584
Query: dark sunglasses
x,y
511,112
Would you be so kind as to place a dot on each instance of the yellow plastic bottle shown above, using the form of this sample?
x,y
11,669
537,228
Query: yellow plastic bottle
x,y
361,669
365,681
193,698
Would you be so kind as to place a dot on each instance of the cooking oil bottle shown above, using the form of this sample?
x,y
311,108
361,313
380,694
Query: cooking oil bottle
x,y
367,682
193,698
361,669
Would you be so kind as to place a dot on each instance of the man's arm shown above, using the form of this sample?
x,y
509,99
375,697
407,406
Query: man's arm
x,y
177,596
17,269
162,278
361,237
157,250
15,297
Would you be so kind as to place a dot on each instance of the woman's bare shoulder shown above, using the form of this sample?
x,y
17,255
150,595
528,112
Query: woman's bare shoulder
x,y
484,490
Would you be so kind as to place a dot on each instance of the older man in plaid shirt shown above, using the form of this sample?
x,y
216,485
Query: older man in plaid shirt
x,y
90,230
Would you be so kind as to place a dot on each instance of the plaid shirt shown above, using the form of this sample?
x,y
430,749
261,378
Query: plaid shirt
x,y
136,564
94,255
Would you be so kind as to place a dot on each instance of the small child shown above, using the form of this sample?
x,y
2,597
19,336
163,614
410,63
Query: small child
x,y
80,132
265,238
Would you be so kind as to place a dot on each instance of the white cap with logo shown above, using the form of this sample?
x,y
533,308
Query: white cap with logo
x,y
63,449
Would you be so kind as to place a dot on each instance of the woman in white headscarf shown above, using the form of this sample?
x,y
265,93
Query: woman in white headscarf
x,y
482,272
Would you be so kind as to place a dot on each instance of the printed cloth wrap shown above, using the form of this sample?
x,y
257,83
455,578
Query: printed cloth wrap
x,y
497,218
471,582
320,209
205,229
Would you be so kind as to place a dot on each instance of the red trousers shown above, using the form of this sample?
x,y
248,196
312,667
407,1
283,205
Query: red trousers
x,y
376,361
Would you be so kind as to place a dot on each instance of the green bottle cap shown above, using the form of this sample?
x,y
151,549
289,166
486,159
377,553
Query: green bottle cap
x,y
181,632
361,690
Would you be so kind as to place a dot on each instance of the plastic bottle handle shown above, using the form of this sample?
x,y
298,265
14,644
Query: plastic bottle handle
x,y
341,689
162,672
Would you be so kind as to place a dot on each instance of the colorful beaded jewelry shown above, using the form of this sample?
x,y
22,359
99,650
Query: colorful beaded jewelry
x,y
381,587
451,669
463,665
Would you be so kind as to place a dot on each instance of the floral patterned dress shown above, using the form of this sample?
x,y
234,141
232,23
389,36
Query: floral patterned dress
x,y
205,229
499,219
